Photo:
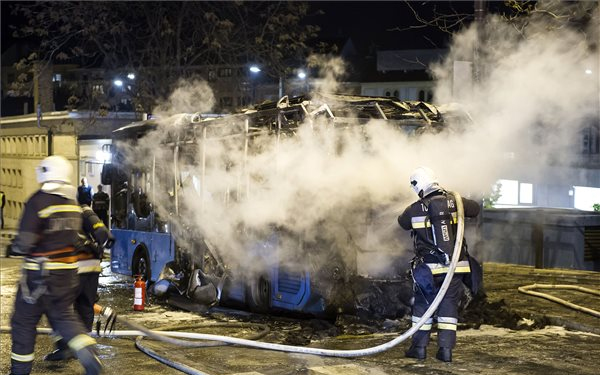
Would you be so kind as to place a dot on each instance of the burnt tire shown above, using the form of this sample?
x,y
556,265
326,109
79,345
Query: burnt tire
x,y
258,293
141,264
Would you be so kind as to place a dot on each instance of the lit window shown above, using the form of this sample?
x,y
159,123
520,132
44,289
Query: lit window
x,y
225,72
525,193
57,78
585,197
509,192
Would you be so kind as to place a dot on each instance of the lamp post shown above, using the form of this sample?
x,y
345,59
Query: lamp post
x,y
254,70
303,78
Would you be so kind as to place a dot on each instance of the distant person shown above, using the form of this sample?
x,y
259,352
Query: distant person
x,y
84,193
2,203
120,206
100,204
433,222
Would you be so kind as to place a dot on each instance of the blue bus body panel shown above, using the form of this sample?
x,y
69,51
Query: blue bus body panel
x,y
290,289
162,252
121,253
160,248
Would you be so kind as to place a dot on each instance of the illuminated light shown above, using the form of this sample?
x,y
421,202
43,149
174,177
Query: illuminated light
x,y
118,82
131,76
588,71
254,69
301,74
102,156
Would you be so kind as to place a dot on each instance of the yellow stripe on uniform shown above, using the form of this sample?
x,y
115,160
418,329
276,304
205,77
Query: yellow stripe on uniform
x,y
419,222
461,267
58,208
98,225
81,341
447,326
89,265
50,266
424,327
21,357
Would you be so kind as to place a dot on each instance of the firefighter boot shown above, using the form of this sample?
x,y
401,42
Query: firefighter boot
x,y
61,353
444,354
90,362
418,352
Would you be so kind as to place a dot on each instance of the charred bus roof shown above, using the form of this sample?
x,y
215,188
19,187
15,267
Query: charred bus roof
x,y
288,114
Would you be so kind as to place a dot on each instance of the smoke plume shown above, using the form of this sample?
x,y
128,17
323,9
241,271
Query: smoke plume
x,y
346,188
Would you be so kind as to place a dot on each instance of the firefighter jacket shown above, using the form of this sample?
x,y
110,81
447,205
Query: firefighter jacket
x,y
94,238
100,201
49,226
417,218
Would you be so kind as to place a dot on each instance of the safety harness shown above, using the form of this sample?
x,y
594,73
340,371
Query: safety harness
x,y
29,296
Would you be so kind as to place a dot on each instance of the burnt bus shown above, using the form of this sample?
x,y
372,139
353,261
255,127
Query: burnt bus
x,y
166,228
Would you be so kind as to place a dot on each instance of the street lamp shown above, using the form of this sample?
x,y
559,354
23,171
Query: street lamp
x,y
303,77
118,82
254,70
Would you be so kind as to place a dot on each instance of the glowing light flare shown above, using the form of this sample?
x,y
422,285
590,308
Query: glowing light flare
x,y
117,82
131,76
102,156
302,74
255,69
588,71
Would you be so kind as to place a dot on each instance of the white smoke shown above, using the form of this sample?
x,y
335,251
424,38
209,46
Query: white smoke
x,y
533,98
331,184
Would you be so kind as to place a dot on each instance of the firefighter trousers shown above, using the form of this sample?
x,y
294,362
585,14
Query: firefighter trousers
x,y
87,295
57,304
446,315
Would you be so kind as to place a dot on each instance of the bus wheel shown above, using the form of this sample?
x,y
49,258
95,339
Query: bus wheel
x,y
141,264
258,293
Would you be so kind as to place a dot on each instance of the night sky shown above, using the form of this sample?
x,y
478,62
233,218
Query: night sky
x,y
371,22
368,23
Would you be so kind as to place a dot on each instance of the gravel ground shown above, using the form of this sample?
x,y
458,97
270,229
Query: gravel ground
x,y
506,333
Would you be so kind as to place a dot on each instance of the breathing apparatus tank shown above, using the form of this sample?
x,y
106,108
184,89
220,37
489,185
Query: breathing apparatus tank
x,y
441,221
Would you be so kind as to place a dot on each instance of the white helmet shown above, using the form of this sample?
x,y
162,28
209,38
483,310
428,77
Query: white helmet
x,y
423,181
54,168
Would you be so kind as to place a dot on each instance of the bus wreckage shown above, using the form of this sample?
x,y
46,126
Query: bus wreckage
x,y
177,185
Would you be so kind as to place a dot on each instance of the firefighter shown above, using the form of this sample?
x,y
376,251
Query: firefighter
x,y
433,222
94,238
48,233
100,204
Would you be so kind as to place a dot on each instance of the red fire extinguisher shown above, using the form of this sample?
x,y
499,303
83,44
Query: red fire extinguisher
x,y
139,298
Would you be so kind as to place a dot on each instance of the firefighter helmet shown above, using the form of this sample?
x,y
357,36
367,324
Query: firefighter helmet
x,y
54,168
422,180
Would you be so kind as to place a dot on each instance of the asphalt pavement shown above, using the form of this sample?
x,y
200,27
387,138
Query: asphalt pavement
x,y
508,333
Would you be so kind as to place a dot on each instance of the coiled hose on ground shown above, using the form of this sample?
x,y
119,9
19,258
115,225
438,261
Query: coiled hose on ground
x,y
527,289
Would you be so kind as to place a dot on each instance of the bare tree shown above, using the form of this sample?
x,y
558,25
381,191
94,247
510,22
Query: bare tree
x,y
163,42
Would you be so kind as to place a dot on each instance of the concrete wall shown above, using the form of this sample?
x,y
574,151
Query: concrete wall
x,y
20,157
545,238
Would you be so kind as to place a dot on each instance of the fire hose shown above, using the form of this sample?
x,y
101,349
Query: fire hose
x,y
527,290
163,336
172,336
